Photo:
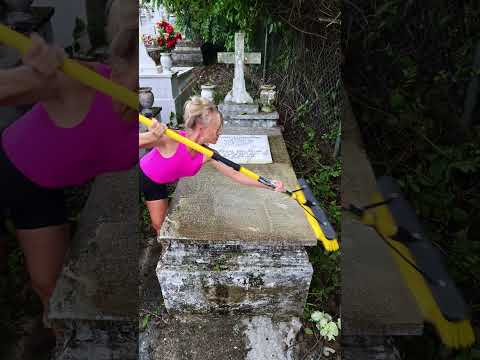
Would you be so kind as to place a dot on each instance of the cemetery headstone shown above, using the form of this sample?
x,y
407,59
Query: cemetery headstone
x,y
239,58
244,149
238,107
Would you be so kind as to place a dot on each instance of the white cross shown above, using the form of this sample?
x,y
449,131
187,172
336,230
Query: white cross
x,y
239,94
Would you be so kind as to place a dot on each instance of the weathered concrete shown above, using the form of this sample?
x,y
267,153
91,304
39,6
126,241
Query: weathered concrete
x,y
219,338
226,212
222,337
369,348
247,115
236,249
375,300
261,120
229,108
106,340
187,53
95,302
234,279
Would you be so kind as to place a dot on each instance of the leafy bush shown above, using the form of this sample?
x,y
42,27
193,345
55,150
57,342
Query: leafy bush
x,y
217,21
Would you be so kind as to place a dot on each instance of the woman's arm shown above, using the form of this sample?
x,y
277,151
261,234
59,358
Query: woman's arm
x,y
23,85
241,178
147,140
154,136
38,79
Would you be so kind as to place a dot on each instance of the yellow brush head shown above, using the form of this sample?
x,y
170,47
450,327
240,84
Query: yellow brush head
x,y
329,245
454,334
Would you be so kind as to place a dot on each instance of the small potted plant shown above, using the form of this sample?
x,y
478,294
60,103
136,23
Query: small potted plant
x,y
166,40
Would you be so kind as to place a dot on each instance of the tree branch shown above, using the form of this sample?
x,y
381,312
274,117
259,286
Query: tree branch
x,y
303,31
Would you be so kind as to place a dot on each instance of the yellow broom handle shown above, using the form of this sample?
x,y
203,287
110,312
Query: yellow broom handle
x,y
74,70
91,78
96,81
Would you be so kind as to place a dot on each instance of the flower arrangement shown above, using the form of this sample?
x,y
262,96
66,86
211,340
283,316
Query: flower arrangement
x,y
149,40
167,37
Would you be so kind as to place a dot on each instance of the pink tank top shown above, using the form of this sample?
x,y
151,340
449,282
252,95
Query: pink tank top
x,y
167,170
56,157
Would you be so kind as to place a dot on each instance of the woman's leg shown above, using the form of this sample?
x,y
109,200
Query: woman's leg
x,y
158,211
44,250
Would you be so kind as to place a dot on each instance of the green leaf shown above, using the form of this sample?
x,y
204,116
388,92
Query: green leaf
x,y
145,321
308,331
397,101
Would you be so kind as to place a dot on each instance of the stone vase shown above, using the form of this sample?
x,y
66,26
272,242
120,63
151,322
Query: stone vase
x,y
208,92
145,97
267,98
166,61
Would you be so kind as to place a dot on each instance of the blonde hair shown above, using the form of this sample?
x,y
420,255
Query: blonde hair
x,y
199,110
122,29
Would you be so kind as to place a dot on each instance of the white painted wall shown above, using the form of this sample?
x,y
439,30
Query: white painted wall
x,y
63,20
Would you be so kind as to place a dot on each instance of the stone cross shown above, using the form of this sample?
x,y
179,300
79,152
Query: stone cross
x,y
239,93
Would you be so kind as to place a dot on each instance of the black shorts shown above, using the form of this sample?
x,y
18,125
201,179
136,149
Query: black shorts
x,y
29,205
151,190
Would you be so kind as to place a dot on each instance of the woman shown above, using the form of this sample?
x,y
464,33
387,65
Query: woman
x,y
169,161
72,134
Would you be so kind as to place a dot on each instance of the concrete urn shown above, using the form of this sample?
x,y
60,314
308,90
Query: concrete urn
x,y
267,98
208,92
166,61
145,97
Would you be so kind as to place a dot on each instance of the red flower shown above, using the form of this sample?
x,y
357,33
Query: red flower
x,y
169,28
178,36
160,41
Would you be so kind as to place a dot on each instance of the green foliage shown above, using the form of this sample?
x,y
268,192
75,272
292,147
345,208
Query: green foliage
x,y
410,93
217,21
328,328
325,283
323,177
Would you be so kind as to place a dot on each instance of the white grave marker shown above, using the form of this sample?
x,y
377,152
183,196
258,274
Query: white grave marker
x,y
239,94
244,149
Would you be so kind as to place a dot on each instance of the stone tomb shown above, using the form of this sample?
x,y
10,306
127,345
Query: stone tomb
x,y
236,249
187,53
95,302
170,89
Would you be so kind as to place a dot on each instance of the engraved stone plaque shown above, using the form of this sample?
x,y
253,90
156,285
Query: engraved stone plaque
x,y
244,149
